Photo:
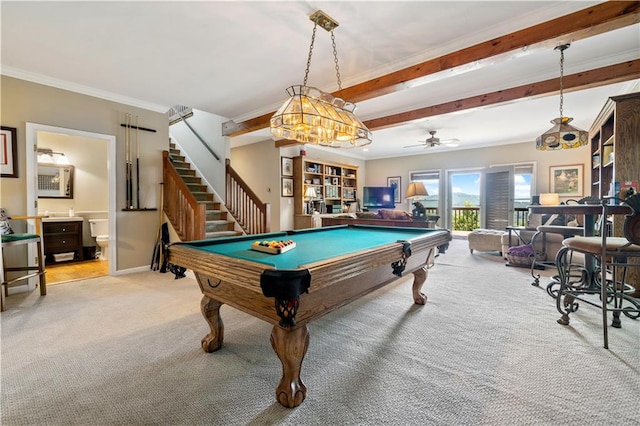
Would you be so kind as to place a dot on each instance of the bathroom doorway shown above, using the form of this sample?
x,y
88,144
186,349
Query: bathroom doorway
x,y
92,155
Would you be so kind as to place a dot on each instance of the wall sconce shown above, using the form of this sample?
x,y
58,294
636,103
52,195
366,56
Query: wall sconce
x,y
46,155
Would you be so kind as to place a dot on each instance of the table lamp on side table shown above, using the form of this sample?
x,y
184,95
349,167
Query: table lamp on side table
x,y
415,190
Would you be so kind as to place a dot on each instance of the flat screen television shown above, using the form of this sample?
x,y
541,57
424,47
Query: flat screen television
x,y
378,197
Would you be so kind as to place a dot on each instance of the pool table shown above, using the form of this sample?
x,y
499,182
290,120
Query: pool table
x,y
329,268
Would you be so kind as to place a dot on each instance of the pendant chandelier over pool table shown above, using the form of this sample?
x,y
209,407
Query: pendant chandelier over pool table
x,y
312,116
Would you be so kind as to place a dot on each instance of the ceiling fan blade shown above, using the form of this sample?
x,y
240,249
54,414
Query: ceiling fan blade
x,y
413,146
448,141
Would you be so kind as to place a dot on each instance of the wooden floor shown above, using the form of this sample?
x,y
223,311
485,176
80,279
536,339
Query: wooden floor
x,y
73,271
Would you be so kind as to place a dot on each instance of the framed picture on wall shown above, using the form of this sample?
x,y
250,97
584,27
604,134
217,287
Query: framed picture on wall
x,y
395,182
287,166
8,152
566,181
287,187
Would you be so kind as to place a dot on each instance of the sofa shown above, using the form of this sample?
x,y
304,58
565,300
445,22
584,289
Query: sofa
x,y
384,217
556,227
550,244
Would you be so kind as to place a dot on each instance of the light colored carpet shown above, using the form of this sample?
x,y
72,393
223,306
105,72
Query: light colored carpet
x,y
486,349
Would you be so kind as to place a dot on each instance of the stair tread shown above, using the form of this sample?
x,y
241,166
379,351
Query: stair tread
x,y
213,208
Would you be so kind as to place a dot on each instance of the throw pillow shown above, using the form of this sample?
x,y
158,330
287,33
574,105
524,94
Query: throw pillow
x,y
366,215
5,228
394,214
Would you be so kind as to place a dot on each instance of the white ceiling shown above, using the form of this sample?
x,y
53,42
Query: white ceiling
x,y
236,58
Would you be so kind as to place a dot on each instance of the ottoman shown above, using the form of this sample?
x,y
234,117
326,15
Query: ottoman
x,y
486,240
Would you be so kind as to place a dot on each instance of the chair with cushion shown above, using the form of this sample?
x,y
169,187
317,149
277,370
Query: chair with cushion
x,y
607,277
541,258
13,239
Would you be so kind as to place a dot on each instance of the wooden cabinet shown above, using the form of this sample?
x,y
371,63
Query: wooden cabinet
x,y
62,237
615,147
334,185
615,155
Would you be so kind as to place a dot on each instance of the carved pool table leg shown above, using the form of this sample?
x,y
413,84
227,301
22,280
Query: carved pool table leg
x,y
290,345
419,278
210,309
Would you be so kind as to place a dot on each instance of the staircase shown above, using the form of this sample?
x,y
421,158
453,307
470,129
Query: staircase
x,y
216,222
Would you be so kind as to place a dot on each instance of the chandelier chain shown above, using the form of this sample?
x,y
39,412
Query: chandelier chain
x,y
335,59
313,39
561,74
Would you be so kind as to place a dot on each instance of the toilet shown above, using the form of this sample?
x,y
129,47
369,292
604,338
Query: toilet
x,y
100,231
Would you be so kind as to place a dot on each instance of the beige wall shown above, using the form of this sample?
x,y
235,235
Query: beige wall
x,y
379,170
258,164
90,183
24,101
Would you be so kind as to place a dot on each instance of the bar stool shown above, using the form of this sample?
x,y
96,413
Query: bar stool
x,y
20,239
612,257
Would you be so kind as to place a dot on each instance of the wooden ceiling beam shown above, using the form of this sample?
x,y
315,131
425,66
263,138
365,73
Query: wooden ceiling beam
x,y
598,19
583,80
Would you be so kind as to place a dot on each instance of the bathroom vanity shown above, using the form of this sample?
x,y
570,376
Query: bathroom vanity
x,y
62,239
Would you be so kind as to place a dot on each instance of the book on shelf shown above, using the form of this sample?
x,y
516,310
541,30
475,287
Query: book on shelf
x,y
627,188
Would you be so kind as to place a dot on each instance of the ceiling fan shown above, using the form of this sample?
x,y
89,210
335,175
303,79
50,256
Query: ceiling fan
x,y
433,141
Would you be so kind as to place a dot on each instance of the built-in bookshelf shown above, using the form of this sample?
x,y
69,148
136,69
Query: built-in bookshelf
x,y
615,157
331,185
615,151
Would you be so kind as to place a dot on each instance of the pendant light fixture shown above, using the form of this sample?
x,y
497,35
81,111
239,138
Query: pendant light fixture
x,y
312,116
562,135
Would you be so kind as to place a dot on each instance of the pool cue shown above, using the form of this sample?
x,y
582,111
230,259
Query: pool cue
x,y
126,158
130,163
137,166
157,250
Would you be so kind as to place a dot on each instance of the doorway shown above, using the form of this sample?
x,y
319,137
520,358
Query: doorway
x,y
34,132
463,199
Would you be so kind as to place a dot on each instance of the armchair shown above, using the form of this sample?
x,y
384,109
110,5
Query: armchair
x,y
12,239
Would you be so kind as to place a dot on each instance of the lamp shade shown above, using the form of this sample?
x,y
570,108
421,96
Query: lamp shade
x,y
416,189
310,192
562,136
549,199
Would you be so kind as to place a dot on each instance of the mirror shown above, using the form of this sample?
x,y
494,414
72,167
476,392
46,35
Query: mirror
x,y
55,181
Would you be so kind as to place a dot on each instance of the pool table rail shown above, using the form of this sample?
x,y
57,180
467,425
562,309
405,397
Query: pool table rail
x,y
317,288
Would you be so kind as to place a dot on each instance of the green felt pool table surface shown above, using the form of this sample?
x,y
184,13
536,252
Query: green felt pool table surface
x,y
311,245
329,268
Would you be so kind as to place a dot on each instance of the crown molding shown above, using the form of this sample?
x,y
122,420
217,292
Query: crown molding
x,y
78,88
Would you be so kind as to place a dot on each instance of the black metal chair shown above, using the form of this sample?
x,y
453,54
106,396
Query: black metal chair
x,y
38,270
607,278
540,258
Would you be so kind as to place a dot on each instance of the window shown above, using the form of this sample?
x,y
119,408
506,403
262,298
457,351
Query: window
x,y
522,192
431,181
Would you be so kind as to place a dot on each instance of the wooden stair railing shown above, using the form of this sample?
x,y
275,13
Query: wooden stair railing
x,y
186,214
253,215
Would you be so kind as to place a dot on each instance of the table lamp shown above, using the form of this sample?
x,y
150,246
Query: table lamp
x,y
310,193
549,199
415,190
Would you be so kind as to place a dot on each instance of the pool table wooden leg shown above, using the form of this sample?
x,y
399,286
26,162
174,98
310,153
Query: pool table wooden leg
x,y
290,345
419,277
210,309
